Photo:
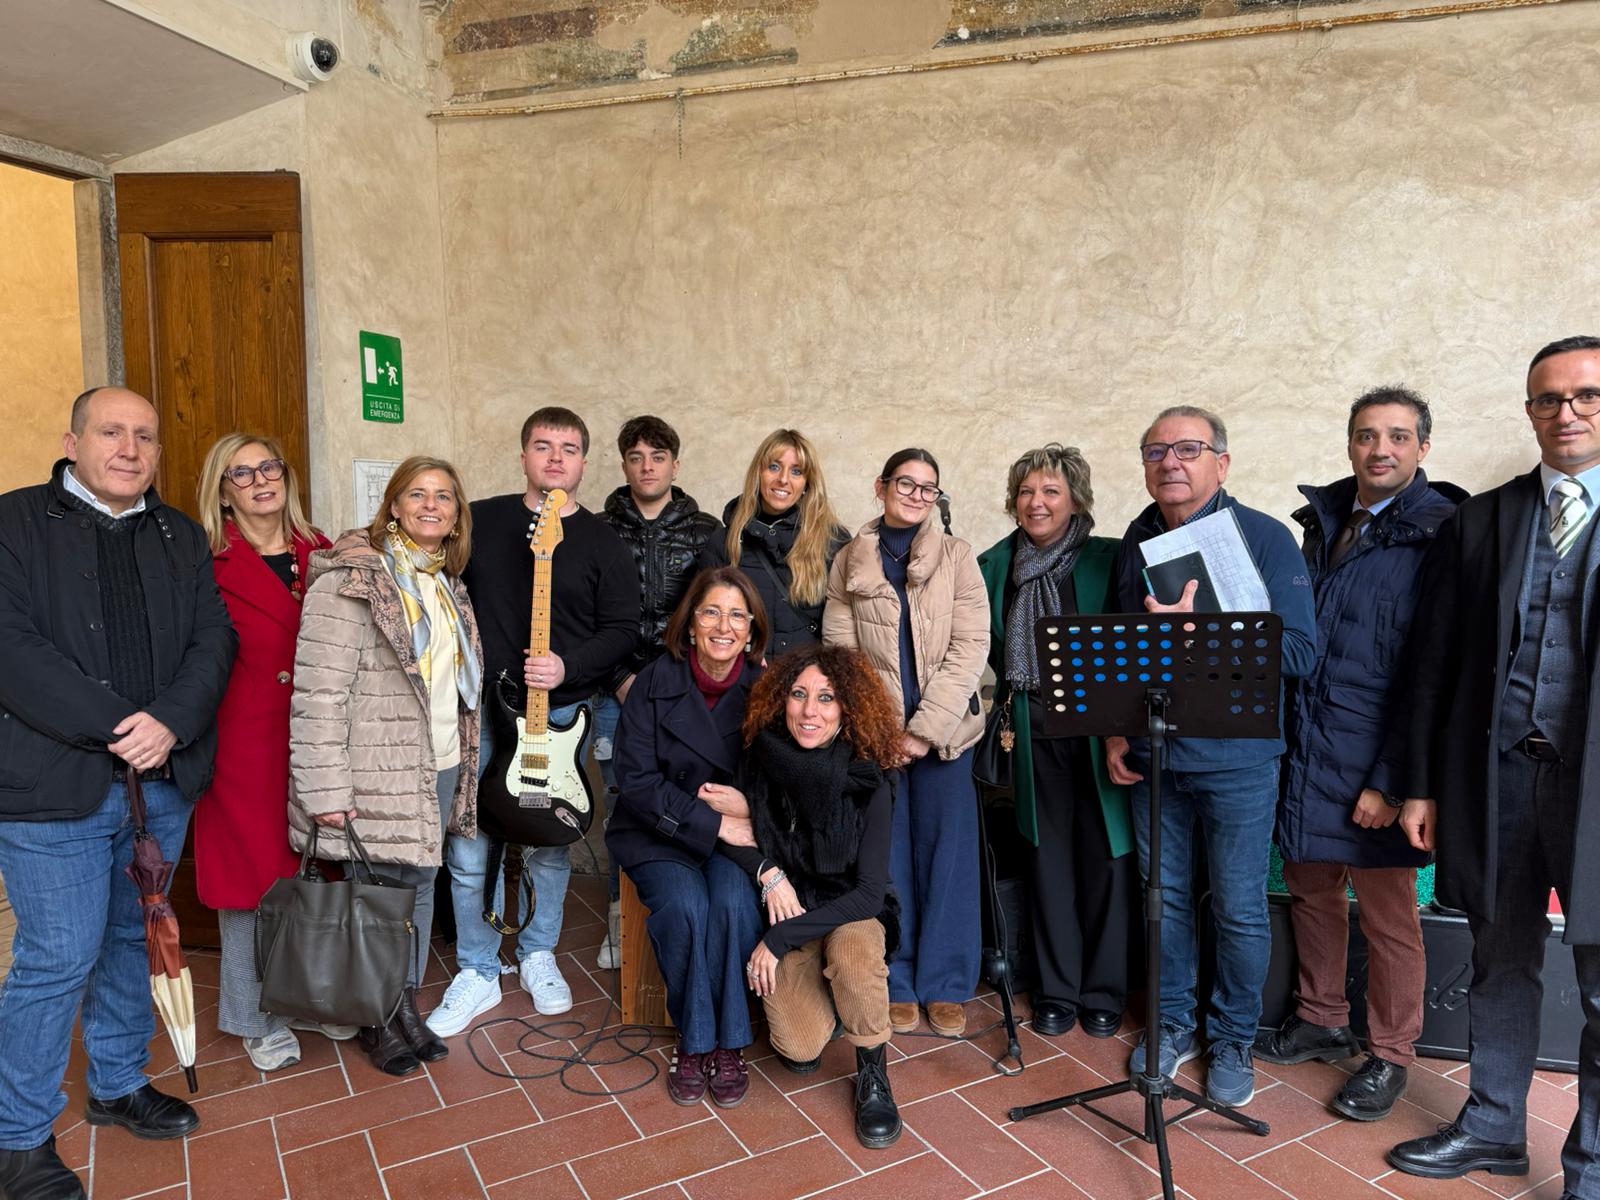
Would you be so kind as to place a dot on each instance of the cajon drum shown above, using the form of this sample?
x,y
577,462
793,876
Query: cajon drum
x,y
644,992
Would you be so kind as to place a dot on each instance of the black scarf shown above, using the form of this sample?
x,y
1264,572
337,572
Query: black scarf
x,y
809,810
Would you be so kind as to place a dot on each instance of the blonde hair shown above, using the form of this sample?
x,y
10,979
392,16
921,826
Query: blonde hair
x,y
1065,461
208,492
458,545
808,557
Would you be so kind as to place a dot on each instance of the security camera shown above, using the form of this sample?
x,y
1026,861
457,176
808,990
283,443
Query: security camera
x,y
313,57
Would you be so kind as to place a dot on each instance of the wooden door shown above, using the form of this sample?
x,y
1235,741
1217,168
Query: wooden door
x,y
213,328
213,320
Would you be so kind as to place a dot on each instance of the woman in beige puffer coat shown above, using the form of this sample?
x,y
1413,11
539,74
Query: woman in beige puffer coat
x,y
910,596
383,723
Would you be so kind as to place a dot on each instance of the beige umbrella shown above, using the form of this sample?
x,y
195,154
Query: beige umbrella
x,y
170,983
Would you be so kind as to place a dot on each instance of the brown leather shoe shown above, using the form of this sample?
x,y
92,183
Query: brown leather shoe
x,y
903,1017
947,1018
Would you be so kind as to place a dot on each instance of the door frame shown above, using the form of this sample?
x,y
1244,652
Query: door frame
x,y
99,271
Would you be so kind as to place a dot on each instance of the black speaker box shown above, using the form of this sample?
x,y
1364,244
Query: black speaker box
x,y
1447,942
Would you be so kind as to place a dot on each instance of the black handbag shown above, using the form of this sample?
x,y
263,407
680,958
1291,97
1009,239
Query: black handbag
x,y
992,757
335,951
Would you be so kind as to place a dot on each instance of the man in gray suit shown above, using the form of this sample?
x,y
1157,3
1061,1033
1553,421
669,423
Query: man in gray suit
x,y
1506,769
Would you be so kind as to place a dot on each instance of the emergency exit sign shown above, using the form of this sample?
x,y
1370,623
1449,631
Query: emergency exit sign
x,y
382,382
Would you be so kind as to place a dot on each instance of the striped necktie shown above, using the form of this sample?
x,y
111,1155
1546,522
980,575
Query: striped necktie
x,y
1569,512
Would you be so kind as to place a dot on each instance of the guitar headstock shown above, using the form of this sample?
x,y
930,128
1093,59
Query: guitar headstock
x,y
544,531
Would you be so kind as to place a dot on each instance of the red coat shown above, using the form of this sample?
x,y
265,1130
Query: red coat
x,y
241,824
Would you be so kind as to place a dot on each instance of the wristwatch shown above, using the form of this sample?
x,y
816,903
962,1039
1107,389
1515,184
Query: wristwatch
x,y
1392,800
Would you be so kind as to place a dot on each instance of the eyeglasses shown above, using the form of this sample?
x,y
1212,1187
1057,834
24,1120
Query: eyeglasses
x,y
1187,450
908,487
243,477
712,615
1584,404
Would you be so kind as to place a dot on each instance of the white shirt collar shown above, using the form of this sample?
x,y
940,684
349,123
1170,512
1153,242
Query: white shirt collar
x,y
70,482
1549,476
1372,509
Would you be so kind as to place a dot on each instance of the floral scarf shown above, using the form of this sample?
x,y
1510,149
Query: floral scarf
x,y
405,559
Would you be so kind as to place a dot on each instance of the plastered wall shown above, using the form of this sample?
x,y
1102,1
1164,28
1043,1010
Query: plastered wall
x,y
979,261
41,364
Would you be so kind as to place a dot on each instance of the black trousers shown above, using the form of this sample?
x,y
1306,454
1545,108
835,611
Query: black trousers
x,y
1538,820
1084,901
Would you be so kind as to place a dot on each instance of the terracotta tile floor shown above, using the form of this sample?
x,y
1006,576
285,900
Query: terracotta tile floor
x,y
333,1127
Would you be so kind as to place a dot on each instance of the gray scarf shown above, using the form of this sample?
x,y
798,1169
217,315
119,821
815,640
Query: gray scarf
x,y
1038,573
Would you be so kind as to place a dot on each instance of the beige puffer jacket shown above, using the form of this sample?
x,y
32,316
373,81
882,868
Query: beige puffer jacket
x,y
359,729
949,627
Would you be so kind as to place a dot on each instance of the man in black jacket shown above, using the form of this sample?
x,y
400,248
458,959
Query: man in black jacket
x,y
594,621
671,540
117,652
1365,539
1503,766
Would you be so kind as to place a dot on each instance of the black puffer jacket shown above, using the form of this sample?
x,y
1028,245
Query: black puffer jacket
x,y
764,556
668,552
57,707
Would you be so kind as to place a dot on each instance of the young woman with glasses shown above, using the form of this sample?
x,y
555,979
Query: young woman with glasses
x,y
249,503
909,595
679,823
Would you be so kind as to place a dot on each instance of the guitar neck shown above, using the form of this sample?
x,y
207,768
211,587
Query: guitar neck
x,y
537,716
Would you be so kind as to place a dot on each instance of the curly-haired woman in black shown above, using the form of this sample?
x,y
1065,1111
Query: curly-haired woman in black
x,y
820,733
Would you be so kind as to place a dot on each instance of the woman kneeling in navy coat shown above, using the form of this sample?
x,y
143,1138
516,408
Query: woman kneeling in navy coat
x,y
677,750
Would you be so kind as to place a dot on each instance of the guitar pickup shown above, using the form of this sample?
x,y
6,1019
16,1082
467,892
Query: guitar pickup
x,y
535,762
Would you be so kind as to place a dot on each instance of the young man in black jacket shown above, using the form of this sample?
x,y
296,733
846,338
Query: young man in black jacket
x,y
594,622
118,648
671,540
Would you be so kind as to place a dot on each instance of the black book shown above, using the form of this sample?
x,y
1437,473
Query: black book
x,y
1167,580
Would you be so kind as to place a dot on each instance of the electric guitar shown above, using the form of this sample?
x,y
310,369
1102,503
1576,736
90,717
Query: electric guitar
x,y
536,792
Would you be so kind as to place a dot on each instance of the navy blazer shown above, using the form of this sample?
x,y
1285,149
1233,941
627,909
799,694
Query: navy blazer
x,y
668,744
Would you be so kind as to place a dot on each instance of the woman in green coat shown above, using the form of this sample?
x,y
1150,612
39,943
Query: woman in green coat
x,y
1084,878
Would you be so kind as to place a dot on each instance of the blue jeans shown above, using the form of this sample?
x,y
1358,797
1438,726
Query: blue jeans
x,y
607,714
933,863
1233,811
80,938
545,872
704,923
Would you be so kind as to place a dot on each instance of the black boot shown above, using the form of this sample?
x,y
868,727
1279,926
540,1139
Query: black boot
x,y
424,1043
877,1118
386,1046
38,1174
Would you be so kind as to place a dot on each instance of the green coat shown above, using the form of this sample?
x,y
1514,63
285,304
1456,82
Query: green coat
x,y
1091,578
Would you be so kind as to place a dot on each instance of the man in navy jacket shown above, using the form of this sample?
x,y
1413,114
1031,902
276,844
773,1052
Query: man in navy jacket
x,y
1365,540
1224,788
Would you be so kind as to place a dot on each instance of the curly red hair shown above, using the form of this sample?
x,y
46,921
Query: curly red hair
x,y
870,721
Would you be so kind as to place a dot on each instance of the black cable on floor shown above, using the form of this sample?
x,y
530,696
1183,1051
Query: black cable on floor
x,y
634,1041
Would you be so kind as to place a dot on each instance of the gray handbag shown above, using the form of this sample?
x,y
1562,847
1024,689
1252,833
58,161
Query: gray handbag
x,y
335,951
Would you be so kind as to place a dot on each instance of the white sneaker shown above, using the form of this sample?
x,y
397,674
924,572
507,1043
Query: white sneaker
x,y
541,979
468,997
278,1049
610,956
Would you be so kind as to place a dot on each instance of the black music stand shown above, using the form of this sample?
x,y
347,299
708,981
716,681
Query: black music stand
x,y
1206,675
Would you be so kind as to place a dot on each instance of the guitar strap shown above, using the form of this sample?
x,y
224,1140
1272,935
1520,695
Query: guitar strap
x,y
491,876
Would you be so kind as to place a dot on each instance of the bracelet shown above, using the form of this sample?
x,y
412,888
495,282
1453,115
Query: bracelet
x,y
772,883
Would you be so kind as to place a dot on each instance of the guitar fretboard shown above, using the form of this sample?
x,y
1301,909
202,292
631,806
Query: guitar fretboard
x,y
538,711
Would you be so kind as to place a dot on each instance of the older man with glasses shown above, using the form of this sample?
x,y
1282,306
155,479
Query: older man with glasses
x,y
1224,789
1504,721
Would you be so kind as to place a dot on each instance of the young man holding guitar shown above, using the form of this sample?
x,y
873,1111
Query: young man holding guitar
x,y
584,621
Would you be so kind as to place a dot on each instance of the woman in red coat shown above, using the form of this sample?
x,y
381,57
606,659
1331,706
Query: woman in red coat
x,y
260,540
